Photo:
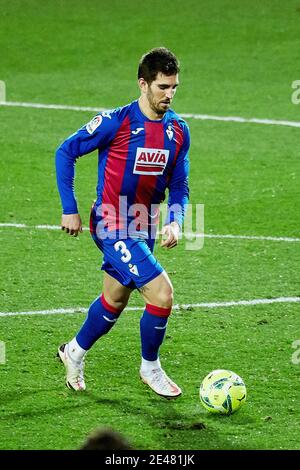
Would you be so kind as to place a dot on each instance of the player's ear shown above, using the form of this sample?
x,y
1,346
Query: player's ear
x,y
143,85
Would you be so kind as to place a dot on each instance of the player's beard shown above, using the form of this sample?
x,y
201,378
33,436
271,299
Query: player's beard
x,y
158,107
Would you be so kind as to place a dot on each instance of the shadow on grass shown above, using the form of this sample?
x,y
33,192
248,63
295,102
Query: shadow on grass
x,y
169,423
177,429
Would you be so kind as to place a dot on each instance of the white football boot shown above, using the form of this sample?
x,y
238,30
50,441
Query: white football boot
x,y
74,370
160,383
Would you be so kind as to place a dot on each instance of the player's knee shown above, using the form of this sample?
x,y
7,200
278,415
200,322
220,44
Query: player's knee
x,y
159,292
116,301
167,300
164,297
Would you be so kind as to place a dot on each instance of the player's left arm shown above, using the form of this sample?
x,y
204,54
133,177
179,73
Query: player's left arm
x,y
178,195
170,235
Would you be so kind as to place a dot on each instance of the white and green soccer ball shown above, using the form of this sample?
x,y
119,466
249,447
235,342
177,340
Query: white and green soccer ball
x,y
222,391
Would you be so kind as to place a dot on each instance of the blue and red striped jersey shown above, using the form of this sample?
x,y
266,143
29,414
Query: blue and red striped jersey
x,y
138,159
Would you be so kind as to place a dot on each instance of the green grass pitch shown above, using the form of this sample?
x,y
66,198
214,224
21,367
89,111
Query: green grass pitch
x,y
238,59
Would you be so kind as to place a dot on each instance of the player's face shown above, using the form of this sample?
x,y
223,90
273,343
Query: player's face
x,y
161,91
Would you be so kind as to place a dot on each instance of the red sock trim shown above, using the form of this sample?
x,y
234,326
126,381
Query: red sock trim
x,y
109,307
158,311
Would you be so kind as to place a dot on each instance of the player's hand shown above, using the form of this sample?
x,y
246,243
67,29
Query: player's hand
x,y
71,224
170,233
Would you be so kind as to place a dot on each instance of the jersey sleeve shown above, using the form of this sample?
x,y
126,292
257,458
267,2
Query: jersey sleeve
x,y
178,184
96,134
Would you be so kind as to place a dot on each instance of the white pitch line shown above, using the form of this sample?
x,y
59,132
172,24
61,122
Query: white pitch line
x,y
239,303
17,104
203,117
175,307
252,237
207,117
187,235
8,224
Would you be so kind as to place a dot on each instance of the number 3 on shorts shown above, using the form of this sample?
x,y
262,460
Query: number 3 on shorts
x,y
121,246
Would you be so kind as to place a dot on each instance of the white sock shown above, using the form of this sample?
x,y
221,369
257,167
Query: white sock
x,y
75,351
148,366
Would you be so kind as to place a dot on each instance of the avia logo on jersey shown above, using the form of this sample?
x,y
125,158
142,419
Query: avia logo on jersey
x,y
150,161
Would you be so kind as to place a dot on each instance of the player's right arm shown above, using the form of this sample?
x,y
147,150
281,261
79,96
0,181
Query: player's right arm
x,y
178,190
97,133
71,223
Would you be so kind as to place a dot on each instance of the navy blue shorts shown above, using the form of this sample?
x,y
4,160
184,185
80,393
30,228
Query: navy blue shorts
x,y
130,261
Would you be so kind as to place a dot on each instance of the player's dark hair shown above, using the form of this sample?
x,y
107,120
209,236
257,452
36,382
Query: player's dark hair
x,y
105,439
157,60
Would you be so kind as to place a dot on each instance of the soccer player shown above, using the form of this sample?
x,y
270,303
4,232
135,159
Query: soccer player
x,y
143,150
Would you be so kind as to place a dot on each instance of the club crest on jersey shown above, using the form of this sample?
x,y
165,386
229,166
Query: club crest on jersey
x,y
150,161
133,269
170,132
93,124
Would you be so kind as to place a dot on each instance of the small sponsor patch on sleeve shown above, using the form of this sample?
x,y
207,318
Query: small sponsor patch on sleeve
x,y
93,124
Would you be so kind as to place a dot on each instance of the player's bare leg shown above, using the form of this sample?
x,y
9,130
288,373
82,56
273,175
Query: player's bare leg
x,y
115,293
159,291
102,315
158,295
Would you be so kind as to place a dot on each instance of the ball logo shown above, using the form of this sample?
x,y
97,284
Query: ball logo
x,y
150,161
